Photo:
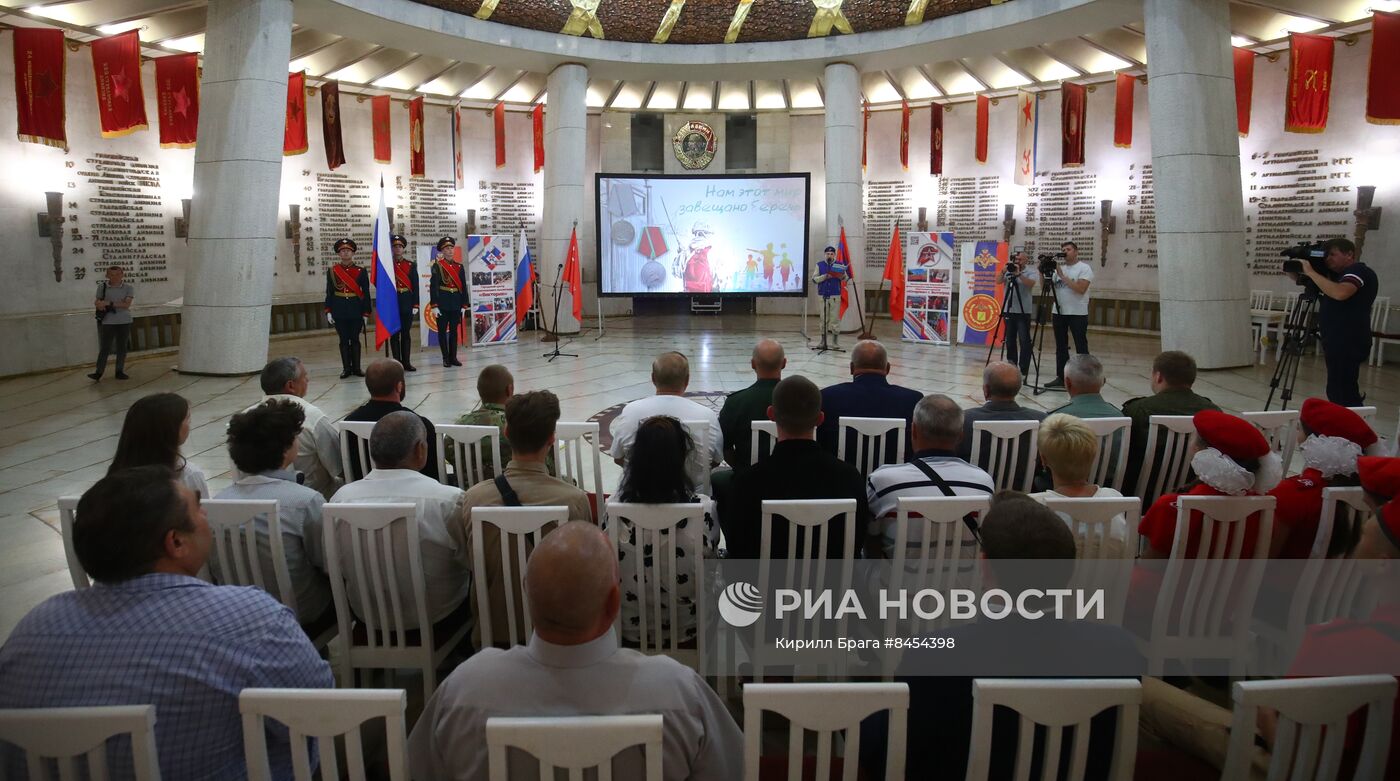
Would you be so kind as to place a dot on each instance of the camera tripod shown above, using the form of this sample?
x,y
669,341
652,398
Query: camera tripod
x,y
1050,304
1300,331
1009,303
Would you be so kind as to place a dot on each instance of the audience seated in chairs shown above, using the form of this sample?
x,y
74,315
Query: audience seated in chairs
x,y
573,666
742,407
869,394
1001,383
384,379
670,374
1084,382
494,387
262,443
318,444
150,632
1173,374
154,429
1068,448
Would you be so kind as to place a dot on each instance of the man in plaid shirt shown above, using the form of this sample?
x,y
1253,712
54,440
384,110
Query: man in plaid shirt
x,y
149,632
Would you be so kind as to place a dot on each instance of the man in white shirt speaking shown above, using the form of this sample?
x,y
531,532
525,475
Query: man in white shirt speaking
x,y
1072,279
670,373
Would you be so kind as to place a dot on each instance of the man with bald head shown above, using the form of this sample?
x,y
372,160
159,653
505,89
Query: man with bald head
x,y
745,406
572,666
384,379
1001,382
869,394
670,374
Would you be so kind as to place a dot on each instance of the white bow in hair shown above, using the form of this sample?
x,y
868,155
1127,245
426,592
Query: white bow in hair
x,y
1331,456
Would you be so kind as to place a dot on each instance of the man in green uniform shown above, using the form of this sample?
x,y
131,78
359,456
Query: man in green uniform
x,y
1173,374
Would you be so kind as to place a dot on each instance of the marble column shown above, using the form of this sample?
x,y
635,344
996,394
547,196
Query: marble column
x,y
237,183
1202,277
565,118
844,196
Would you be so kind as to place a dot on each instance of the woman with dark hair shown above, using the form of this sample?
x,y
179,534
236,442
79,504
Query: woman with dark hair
x,y
155,428
656,474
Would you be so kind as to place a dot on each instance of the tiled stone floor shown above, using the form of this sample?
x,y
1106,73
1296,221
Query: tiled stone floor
x,y
58,430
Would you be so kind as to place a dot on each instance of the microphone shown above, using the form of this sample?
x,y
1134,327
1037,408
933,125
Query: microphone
x,y
561,265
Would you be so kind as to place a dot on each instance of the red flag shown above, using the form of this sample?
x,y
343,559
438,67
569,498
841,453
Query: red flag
x,y
177,99
121,104
984,109
537,122
1123,111
379,121
894,272
1244,88
39,83
843,255
1309,82
935,139
1073,104
1382,86
459,170
330,125
294,138
499,115
417,166
573,276
904,134
864,132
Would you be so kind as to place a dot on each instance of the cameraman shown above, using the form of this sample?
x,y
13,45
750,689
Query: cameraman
x,y
1345,318
1072,279
1022,276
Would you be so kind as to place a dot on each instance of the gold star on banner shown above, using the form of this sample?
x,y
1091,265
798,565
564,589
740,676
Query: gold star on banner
x,y
916,12
487,8
584,19
663,32
740,14
829,17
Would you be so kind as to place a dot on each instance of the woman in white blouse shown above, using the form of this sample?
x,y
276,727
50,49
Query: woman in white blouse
x,y
155,428
1068,448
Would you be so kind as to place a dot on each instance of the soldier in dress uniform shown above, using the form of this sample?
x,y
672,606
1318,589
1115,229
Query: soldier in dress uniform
x,y
347,305
406,284
447,294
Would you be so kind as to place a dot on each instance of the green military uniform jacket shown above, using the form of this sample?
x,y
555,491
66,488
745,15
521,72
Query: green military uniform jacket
x,y
1172,401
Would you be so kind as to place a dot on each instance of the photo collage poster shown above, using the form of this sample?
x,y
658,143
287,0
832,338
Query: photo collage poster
x,y
928,287
983,290
490,267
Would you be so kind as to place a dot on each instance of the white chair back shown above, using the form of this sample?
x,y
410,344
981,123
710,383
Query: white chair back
x,y
871,441
1367,414
574,744
237,559
757,428
1261,299
67,509
517,531
1111,462
934,549
1280,427
324,714
74,735
700,455
1056,705
1010,453
1106,540
470,446
576,446
1175,437
1312,725
828,709
354,448
658,527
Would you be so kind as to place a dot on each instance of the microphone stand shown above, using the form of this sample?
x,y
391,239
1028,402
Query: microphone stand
x,y
558,288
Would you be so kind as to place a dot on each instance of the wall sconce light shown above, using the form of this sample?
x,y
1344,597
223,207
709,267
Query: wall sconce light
x,y
1008,222
392,227
49,222
1109,225
182,223
470,227
923,219
1368,217
292,226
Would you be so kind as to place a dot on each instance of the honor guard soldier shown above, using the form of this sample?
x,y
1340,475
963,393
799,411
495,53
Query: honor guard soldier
x,y
347,305
406,285
447,295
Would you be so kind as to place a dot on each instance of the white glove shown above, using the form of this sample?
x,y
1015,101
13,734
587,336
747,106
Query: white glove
x,y
437,312
330,319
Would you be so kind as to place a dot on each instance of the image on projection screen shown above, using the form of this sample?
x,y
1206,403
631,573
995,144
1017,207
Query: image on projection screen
x,y
702,235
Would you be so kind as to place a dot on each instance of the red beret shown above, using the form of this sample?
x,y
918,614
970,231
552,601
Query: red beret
x,y
1380,475
1235,437
1327,419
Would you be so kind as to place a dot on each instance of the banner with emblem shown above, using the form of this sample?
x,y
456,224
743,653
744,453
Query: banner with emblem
x,y
935,139
330,125
1382,88
982,291
1244,88
417,166
498,120
121,103
1027,123
904,134
979,143
537,127
1123,111
39,86
294,138
380,106
490,267
177,99
459,169
928,288
1074,101
1309,82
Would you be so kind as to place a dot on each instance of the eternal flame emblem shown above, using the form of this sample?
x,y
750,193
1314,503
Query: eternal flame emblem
x,y
694,144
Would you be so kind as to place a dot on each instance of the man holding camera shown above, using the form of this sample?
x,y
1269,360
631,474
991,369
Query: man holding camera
x,y
1344,317
1020,305
1071,279
113,311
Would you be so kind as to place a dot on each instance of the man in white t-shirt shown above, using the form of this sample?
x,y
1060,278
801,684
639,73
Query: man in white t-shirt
x,y
1072,279
670,373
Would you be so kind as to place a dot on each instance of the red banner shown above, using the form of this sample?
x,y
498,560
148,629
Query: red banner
x,y
330,125
984,110
379,119
894,272
177,99
864,132
417,166
294,139
1123,111
1382,86
935,139
1244,88
1309,83
39,84
121,103
537,123
459,171
498,117
1074,101
904,134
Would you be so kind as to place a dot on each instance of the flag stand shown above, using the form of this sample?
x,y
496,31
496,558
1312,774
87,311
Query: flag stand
x,y
553,336
869,332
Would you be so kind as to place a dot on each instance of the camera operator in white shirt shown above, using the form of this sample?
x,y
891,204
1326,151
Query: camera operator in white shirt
x,y
1072,279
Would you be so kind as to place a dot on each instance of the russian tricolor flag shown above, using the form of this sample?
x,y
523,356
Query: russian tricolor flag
x,y
524,279
386,294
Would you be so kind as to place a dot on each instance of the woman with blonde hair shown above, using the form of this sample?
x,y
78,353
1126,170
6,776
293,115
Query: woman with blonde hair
x,y
1068,449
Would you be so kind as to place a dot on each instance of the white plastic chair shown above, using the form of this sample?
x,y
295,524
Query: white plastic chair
x,y
572,451
1111,463
1380,319
827,709
935,549
67,509
756,428
1312,725
871,441
1280,427
1367,414
656,527
374,556
1206,601
1092,521
470,446
700,438
324,714
1260,300
354,448
1056,705
1010,454
574,744
1177,436
235,554
517,530
71,735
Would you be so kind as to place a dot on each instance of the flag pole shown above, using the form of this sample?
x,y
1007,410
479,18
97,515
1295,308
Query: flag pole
x,y
869,332
864,333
